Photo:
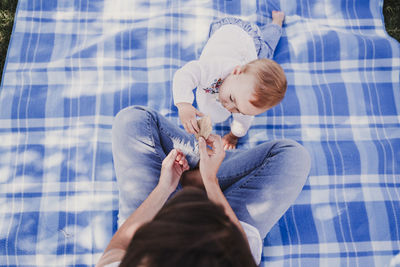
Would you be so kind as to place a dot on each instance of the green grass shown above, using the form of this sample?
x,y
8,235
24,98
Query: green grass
x,y
7,11
391,12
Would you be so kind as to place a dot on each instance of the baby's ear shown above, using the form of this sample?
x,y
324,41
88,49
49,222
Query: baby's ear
x,y
237,70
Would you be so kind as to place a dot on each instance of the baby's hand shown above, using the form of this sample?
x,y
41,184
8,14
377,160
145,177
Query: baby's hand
x,y
229,141
187,114
278,17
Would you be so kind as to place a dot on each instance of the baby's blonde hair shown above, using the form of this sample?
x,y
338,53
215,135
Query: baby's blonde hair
x,y
271,82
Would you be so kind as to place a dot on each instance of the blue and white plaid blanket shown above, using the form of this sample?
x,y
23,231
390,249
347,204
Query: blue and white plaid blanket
x,y
72,65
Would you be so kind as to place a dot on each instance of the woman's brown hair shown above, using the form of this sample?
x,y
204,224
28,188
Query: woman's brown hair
x,y
271,82
189,230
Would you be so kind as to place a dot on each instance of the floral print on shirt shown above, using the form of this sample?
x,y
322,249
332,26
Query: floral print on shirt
x,y
214,88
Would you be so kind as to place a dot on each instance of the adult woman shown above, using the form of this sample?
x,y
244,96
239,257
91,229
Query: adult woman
x,y
253,187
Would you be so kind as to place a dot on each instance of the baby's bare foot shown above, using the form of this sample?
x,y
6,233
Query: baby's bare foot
x,y
278,17
192,178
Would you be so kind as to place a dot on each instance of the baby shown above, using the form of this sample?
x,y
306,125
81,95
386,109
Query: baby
x,y
233,76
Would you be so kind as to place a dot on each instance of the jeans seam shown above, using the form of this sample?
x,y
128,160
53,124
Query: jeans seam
x,y
250,169
248,180
149,118
259,167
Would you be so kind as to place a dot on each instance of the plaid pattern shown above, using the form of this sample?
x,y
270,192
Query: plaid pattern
x,y
72,65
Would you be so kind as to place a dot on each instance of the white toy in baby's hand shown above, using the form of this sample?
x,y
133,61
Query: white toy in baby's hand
x,y
205,127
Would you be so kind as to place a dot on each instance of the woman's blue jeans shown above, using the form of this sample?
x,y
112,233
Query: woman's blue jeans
x,y
260,184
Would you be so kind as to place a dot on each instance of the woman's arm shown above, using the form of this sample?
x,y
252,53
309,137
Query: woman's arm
x,y
145,213
209,165
115,250
172,168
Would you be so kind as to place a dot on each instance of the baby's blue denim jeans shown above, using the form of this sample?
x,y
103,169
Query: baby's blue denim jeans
x,y
260,183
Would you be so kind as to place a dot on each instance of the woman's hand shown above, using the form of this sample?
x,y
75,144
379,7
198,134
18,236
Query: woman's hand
x,y
210,160
172,168
187,114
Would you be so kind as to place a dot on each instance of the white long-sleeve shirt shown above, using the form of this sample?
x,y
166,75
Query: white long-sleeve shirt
x,y
228,47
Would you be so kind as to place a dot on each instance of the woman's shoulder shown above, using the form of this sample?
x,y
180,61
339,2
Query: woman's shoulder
x,y
254,239
114,264
111,258
249,227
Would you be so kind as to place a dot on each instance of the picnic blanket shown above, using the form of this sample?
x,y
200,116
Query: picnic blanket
x,y
72,65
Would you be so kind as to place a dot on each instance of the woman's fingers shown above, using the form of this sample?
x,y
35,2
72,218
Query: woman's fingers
x,y
185,165
180,159
202,148
170,158
212,138
216,143
179,156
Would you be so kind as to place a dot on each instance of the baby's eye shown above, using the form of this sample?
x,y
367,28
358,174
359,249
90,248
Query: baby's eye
x,y
230,98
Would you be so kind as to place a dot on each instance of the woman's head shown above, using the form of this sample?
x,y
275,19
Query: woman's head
x,y
253,88
189,230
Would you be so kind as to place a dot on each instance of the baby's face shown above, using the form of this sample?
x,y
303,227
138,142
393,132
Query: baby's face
x,y
236,92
